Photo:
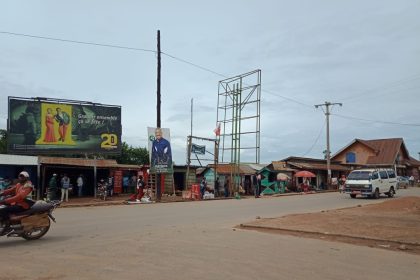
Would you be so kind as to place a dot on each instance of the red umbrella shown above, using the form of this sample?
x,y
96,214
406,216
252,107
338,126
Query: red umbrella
x,y
305,174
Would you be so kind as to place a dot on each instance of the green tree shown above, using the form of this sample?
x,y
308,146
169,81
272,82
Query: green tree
x,y
3,141
133,155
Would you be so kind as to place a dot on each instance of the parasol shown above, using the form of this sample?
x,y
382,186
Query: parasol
x,y
305,174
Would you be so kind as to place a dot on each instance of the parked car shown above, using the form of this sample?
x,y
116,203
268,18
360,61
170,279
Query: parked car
x,y
402,182
371,183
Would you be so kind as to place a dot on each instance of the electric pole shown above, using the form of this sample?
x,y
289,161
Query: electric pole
x,y
327,116
158,80
158,124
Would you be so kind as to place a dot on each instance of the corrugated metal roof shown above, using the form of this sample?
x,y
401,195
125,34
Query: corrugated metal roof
x,y
18,160
387,150
79,161
318,166
244,169
281,166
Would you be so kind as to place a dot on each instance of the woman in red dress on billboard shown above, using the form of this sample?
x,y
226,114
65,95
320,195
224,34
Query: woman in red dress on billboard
x,y
49,122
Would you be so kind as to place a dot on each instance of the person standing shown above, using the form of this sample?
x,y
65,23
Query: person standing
x,y
226,187
259,184
49,124
203,186
255,184
216,187
63,120
140,188
161,151
52,188
80,183
65,185
411,180
110,185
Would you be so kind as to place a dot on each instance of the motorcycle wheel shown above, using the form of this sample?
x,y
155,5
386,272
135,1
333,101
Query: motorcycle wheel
x,y
36,233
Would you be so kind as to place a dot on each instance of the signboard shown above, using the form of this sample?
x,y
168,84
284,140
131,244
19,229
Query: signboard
x,y
197,149
160,152
48,126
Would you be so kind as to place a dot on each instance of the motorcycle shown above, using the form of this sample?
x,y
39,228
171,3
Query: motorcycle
x,y
102,190
30,224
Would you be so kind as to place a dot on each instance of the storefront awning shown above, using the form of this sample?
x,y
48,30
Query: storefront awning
x,y
18,160
100,163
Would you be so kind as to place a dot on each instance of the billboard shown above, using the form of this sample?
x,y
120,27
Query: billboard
x,y
160,152
48,126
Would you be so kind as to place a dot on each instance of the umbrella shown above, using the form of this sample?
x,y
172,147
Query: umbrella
x,y
282,177
305,174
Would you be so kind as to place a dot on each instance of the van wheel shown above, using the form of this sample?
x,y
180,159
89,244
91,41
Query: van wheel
x,y
376,194
391,192
353,196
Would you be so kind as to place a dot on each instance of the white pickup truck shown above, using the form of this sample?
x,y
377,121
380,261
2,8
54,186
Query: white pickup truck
x,y
371,183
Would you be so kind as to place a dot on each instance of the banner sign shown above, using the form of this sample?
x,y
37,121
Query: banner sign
x,y
160,152
197,149
51,126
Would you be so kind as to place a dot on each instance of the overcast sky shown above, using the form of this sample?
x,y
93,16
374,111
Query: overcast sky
x,y
365,54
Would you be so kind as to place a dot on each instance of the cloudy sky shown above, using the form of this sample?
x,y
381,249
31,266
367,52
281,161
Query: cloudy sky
x,y
365,54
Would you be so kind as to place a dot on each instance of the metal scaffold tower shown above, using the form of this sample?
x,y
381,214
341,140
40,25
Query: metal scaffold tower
x,y
238,114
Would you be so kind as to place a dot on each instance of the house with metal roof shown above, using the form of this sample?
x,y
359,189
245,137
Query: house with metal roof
x,y
390,152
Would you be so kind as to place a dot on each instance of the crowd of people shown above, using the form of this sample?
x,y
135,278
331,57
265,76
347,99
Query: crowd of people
x,y
63,185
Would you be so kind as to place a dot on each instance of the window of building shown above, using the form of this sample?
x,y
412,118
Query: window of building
x,y
350,157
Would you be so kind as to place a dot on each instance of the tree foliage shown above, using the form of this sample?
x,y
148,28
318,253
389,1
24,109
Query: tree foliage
x,y
3,141
133,155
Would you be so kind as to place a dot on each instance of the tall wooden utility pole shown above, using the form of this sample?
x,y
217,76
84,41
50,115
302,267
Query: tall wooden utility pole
x,y
158,123
327,115
158,81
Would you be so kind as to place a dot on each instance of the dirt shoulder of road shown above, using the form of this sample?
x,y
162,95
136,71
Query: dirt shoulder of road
x,y
393,224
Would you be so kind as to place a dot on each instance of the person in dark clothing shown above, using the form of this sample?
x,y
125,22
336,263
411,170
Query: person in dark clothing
x,y
226,187
52,188
255,184
216,187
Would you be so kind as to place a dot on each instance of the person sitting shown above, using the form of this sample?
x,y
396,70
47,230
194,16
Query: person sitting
x,y
17,202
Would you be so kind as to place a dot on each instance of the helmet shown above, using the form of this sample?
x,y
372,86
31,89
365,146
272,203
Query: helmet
x,y
24,174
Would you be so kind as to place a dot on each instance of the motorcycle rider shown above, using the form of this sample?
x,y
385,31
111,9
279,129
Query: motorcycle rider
x,y
17,201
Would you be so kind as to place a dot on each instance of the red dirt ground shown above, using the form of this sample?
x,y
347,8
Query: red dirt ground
x,y
393,224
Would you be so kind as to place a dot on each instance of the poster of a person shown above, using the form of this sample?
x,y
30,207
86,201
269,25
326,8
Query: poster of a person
x,y
160,150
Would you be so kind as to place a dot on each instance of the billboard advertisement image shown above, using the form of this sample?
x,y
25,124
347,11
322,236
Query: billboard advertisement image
x,y
48,126
160,152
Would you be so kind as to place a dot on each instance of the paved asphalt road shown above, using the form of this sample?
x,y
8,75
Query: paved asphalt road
x,y
196,240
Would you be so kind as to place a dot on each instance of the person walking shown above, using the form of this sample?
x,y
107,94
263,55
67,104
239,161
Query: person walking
x,y
65,185
52,188
80,183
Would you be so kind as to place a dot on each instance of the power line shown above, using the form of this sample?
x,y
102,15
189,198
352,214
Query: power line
x,y
316,140
77,42
376,121
385,87
195,65
143,50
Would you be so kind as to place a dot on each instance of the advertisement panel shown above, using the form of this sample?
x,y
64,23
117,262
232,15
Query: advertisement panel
x,y
160,152
48,126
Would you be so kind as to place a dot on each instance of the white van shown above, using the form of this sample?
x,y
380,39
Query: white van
x,y
371,183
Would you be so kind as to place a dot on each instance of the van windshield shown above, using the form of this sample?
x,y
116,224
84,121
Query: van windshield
x,y
359,175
